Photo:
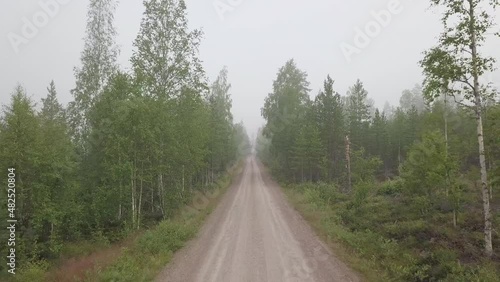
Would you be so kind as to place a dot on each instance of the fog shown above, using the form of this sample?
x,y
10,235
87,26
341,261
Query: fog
x,y
253,38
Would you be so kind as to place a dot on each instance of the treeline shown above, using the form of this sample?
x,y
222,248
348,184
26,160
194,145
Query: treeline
x,y
130,149
441,130
408,174
419,177
307,139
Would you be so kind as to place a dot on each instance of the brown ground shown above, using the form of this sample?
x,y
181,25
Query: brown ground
x,y
255,235
79,268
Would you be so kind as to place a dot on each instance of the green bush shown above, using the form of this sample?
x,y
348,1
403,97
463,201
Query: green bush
x,y
361,192
391,187
403,238
401,230
328,192
32,271
167,236
484,273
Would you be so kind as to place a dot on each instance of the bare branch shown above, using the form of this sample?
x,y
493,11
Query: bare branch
x,y
466,81
461,102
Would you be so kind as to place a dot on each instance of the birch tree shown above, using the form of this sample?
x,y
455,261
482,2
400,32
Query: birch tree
x,y
98,60
166,55
456,66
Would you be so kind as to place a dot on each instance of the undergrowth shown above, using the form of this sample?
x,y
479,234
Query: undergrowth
x,y
383,236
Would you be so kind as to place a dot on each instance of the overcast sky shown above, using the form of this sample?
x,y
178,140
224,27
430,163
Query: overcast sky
x,y
254,38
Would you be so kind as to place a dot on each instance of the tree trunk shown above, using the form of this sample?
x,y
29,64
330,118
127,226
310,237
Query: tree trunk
x,y
160,194
446,144
119,217
491,184
182,178
480,137
120,201
454,218
132,189
139,204
348,163
399,158
302,173
484,183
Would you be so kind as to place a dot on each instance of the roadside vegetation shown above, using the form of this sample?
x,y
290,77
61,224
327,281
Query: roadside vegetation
x,y
155,248
125,154
143,255
388,239
408,192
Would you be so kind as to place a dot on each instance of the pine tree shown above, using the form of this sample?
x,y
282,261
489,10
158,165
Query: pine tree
x,y
380,139
57,163
358,114
330,117
21,150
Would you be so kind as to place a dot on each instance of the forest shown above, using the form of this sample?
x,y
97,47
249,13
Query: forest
x,y
405,192
129,150
410,189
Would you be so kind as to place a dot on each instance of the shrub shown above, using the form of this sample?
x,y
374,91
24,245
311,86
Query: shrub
x,y
391,187
361,192
399,230
32,271
167,236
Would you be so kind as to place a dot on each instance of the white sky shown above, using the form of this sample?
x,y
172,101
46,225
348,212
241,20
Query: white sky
x,y
254,39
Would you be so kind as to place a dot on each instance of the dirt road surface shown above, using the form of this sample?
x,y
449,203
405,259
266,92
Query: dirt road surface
x,y
255,235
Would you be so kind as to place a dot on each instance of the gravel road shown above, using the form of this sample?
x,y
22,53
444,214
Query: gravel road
x,y
255,235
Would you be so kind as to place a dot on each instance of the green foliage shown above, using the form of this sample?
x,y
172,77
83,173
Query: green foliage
x,y
282,110
307,153
387,241
98,63
331,126
456,66
364,167
167,235
153,249
131,149
32,271
361,193
358,114
492,139
430,174
166,57
391,187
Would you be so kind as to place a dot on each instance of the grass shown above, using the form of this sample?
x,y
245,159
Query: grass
x,y
154,249
143,260
384,238
139,257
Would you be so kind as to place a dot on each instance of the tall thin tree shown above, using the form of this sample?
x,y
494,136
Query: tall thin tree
x,y
457,65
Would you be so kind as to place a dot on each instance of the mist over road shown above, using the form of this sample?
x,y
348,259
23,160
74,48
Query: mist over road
x,y
255,235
